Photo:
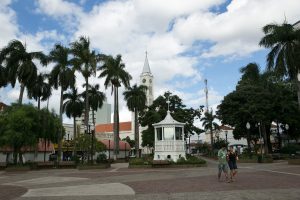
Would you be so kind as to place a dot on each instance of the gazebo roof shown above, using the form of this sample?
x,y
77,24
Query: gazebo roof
x,y
168,121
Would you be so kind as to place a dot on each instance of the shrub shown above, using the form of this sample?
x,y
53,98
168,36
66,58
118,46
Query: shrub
x,y
138,161
190,160
101,158
290,149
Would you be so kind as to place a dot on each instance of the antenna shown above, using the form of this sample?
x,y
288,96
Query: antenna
x,y
206,95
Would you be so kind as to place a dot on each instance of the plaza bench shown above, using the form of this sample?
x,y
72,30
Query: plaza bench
x,y
45,165
67,164
3,165
160,163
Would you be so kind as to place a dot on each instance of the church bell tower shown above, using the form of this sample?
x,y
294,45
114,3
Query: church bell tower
x,y
146,79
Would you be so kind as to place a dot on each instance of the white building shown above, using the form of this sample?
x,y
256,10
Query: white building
x,y
169,139
226,133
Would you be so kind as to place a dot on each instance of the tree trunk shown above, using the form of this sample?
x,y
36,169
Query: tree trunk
x,y
211,138
74,139
278,135
136,130
298,92
116,136
45,149
61,120
93,136
86,116
39,103
264,135
21,93
248,141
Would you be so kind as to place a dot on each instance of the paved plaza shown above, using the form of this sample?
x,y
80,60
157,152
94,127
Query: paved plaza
x,y
255,181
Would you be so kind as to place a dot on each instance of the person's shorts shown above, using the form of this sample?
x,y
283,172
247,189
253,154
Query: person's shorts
x,y
232,165
223,167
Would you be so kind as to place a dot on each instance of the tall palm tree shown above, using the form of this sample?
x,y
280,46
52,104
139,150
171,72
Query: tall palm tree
x,y
96,99
73,107
3,78
20,65
62,75
284,42
209,124
84,61
115,74
136,101
40,89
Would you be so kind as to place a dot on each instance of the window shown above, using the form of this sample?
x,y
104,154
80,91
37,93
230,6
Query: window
x,y
169,133
159,133
178,133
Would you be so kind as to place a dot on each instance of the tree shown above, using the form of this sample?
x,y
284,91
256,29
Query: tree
x,y
3,78
284,42
113,70
20,65
136,101
96,99
40,89
83,143
158,111
62,75
84,61
209,124
73,106
23,125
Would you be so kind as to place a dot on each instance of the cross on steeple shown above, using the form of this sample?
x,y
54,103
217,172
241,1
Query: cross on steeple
x,y
168,102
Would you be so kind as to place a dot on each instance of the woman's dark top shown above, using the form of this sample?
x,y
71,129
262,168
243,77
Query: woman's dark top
x,y
232,156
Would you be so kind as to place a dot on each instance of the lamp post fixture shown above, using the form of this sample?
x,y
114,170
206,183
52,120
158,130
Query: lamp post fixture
x,y
248,126
226,132
261,153
287,128
68,143
90,129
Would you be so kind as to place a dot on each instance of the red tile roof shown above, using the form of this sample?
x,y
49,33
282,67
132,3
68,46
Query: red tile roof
x,y
223,127
124,126
110,145
41,147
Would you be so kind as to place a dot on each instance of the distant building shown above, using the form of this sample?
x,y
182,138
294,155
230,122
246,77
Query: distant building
x,y
2,106
106,131
103,115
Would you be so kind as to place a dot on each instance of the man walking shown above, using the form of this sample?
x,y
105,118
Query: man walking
x,y
222,157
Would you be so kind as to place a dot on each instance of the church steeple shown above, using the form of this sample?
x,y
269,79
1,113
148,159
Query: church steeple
x,y
146,79
146,68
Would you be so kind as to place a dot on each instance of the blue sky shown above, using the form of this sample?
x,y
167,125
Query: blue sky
x,y
187,41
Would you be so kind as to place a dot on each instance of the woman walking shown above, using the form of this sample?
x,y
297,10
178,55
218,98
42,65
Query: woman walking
x,y
232,158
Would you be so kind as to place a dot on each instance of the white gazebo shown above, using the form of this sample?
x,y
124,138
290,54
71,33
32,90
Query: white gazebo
x,y
169,139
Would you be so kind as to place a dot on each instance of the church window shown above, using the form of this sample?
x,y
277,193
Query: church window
x,y
144,80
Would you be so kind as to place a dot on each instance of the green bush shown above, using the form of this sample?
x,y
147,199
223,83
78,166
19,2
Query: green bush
x,y
290,149
190,160
101,158
139,161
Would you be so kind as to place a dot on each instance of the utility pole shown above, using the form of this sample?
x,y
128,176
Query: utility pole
x,y
206,95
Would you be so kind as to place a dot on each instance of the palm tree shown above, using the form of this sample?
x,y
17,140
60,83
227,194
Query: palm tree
x,y
284,42
20,65
115,75
3,78
85,61
62,75
73,107
209,124
136,101
40,90
96,99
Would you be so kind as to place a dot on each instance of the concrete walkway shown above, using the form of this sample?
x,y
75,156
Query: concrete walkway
x,y
254,181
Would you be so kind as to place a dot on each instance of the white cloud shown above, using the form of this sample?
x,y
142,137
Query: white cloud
x,y
238,30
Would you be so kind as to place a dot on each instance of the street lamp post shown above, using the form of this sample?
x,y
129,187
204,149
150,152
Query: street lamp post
x,y
261,153
90,129
287,128
248,126
226,132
